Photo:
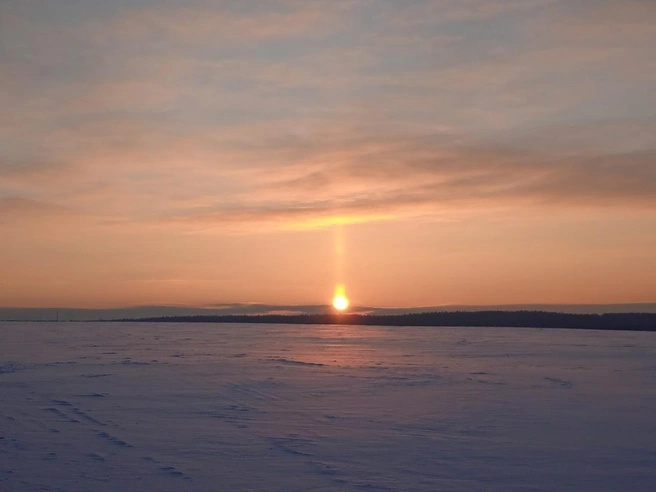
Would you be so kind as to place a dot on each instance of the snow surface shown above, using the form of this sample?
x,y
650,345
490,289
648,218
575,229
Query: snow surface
x,y
212,407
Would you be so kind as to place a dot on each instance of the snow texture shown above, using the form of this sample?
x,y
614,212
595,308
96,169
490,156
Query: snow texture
x,y
201,407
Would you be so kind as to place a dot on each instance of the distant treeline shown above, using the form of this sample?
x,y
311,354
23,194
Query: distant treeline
x,y
528,319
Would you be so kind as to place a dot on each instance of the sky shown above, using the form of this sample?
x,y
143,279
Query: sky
x,y
420,152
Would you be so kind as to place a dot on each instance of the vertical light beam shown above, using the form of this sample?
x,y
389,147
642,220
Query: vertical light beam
x,y
340,301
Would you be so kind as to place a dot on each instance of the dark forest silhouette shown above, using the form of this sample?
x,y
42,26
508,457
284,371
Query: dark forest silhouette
x,y
526,319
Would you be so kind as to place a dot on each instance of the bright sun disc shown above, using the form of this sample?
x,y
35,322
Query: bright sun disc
x,y
340,301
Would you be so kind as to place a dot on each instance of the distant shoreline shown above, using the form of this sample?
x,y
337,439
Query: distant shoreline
x,y
494,319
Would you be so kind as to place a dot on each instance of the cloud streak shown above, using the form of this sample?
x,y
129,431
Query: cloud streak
x,y
257,116
300,183
447,184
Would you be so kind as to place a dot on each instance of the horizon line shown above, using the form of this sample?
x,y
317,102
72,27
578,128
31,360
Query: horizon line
x,y
219,306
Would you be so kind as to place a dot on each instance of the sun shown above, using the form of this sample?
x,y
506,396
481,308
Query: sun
x,y
340,301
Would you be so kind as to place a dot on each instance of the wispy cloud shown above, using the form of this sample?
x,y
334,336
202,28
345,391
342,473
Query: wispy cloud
x,y
411,178
307,182
18,209
291,114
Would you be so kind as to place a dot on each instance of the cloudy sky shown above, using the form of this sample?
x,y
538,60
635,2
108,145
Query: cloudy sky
x,y
422,152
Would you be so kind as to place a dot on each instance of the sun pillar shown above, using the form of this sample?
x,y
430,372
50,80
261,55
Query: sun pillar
x,y
340,301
